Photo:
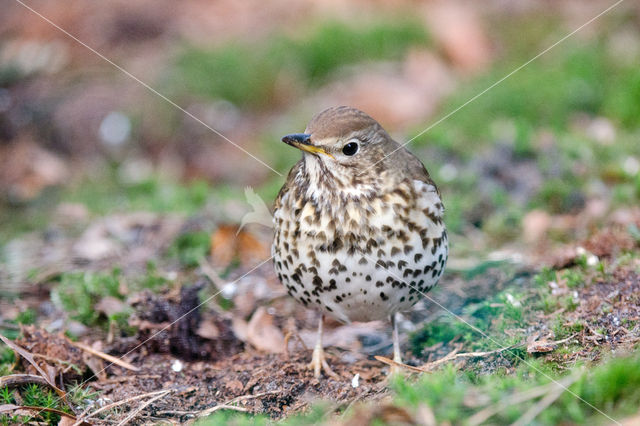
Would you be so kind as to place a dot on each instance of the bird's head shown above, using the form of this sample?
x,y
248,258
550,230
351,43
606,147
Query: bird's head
x,y
345,142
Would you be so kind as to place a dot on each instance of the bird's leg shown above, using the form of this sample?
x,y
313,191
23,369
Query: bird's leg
x,y
318,361
397,357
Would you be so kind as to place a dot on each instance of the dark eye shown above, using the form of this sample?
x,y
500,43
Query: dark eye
x,y
350,149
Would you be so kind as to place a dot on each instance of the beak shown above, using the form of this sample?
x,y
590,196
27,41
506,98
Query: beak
x,y
302,141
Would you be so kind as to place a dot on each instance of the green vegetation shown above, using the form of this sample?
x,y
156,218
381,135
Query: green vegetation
x,y
606,387
78,293
612,388
7,359
191,247
541,117
541,114
111,194
247,74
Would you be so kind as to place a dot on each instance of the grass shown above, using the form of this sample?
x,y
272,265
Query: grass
x,y
247,74
605,387
35,396
77,293
191,247
454,396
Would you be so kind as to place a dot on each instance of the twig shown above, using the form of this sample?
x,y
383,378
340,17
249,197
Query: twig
x,y
12,407
15,380
552,396
112,359
142,407
288,337
212,410
227,405
391,362
449,357
121,402
129,378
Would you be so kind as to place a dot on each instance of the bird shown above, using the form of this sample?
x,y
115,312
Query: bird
x,y
359,233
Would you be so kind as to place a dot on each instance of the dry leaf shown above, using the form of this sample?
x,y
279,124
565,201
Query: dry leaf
x,y
29,357
223,243
250,249
110,305
228,243
208,330
263,334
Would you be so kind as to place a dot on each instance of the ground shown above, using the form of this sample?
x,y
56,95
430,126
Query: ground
x,y
129,291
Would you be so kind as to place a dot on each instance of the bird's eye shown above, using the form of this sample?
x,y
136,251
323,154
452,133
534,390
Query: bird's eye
x,y
350,149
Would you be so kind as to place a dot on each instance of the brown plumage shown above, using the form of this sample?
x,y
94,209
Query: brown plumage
x,y
358,223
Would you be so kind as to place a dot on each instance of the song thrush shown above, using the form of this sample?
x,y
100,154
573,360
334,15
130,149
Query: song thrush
x,y
358,224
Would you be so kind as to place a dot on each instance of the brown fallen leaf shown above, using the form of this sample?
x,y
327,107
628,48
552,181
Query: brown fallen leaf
x,y
228,243
208,330
223,243
250,249
29,357
263,334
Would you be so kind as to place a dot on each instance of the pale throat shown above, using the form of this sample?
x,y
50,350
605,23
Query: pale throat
x,y
336,184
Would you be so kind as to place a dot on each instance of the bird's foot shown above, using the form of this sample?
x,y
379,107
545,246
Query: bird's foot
x,y
319,363
395,370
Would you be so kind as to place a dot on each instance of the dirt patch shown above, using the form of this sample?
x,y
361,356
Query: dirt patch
x,y
173,324
266,384
610,310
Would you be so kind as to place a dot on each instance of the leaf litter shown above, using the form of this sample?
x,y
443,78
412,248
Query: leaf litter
x,y
190,358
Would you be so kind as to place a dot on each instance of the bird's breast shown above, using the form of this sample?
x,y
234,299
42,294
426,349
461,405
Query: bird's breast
x,y
361,259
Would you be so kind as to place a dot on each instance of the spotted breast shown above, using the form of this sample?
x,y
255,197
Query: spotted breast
x,y
358,255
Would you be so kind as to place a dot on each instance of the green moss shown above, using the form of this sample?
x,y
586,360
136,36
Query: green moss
x,y
37,396
78,292
152,279
606,387
573,278
233,418
107,193
191,247
544,277
28,316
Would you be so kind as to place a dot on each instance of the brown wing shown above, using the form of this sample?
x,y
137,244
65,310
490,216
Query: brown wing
x,y
412,166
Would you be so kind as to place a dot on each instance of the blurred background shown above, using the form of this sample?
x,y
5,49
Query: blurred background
x,y
116,198
554,144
